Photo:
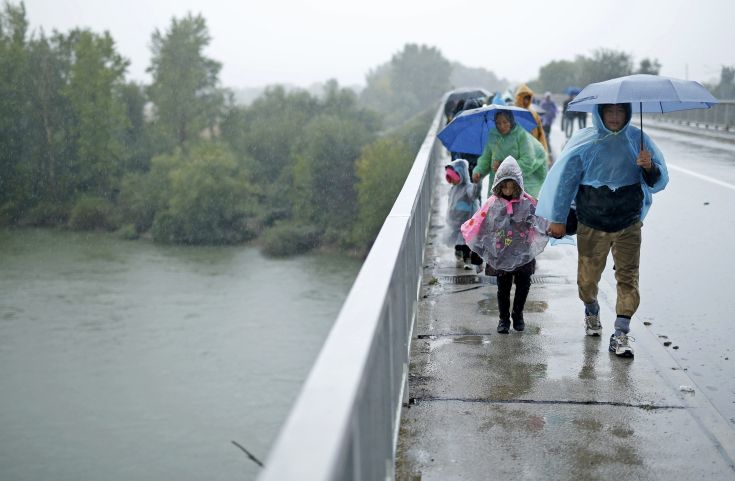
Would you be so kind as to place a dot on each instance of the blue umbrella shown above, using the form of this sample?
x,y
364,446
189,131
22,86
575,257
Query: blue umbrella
x,y
572,91
645,93
468,131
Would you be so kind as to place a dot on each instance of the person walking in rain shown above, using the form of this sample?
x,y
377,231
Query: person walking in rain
x,y
567,117
524,96
463,202
550,110
508,236
509,138
611,171
471,159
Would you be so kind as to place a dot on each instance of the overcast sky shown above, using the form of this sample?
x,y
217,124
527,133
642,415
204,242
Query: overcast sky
x,y
262,42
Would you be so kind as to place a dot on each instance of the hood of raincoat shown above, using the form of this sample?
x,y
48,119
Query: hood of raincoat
x,y
508,169
461,167
462,202
596,156
521,92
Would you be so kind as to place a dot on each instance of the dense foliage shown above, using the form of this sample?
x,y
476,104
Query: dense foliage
x,y
603,64
177,160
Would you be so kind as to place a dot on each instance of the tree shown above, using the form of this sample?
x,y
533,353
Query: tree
x,y
324,173
208,197
267,130
557,75
381,172
99,119
14,99
49,142
185,88
604,65
648,66
726,88
414,78
137,141
476,77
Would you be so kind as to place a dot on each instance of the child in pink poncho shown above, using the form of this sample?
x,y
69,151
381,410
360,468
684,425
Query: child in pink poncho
x,y
506,233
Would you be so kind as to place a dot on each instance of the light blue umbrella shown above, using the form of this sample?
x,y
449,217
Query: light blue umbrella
x,y
468,131
645,93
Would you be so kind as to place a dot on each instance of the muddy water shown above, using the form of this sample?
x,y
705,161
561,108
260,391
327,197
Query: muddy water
x,y
133,361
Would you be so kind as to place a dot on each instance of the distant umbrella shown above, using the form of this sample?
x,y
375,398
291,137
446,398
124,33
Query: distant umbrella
x,y
453,97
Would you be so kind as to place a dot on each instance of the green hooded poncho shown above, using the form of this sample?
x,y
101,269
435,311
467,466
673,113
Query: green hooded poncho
x,y
528,152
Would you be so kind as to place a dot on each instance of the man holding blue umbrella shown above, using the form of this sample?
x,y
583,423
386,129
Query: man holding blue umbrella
x,y
611,179
611,172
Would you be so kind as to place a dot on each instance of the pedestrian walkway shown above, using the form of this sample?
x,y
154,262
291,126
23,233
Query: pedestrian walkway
x,y
550,402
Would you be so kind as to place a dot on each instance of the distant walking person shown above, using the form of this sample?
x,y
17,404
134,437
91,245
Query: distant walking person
x,y
506,233
612,177
524,96
567,117
547,119
471,159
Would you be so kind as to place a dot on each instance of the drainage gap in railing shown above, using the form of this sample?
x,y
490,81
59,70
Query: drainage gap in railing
x,y
414,401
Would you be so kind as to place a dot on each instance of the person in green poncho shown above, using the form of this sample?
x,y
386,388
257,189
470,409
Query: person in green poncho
x,y
509,138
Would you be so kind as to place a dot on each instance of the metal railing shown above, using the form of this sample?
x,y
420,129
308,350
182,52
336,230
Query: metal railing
x,y
720,117
344,424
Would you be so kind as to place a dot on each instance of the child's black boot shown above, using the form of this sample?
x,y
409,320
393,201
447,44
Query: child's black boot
x,y
518,323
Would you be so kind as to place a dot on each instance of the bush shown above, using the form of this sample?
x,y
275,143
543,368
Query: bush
x,y
46,213
140,198
290,239
128,232
209,200
92,212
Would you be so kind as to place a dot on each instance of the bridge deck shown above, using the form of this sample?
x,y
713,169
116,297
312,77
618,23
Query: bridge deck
x,y
548,403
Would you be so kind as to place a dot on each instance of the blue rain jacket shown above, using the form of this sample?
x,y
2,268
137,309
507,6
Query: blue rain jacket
x,y
463,202
596,156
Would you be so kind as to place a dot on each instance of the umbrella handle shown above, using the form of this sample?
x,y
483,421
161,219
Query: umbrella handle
x,y
641,114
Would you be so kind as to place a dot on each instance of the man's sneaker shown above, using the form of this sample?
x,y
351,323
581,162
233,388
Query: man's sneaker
x,y
504,326
620,345
518,323
592,325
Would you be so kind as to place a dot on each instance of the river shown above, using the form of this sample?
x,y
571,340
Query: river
x,y
129,360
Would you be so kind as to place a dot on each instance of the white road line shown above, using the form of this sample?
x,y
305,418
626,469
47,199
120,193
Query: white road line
x,y
701,176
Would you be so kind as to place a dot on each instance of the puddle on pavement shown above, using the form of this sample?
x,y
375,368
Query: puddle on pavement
x,y
476,340
489,307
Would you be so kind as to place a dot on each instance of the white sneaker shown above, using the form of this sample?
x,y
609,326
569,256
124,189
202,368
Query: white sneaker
x,y
592,325
620,345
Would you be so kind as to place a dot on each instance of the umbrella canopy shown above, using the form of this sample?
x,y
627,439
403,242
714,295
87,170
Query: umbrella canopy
x,y
468,131
572,90
462,94
646,93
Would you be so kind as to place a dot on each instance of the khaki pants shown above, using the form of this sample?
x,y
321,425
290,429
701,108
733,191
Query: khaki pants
x,y
593,247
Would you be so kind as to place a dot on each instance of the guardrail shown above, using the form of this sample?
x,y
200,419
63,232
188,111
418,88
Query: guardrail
x,y
344,424
720,117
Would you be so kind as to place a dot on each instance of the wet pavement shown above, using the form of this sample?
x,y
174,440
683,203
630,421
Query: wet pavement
x,y
550,402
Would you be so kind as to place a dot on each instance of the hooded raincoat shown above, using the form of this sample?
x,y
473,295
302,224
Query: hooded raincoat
x,y
538,133
506,233
463,202
520,145
597,158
